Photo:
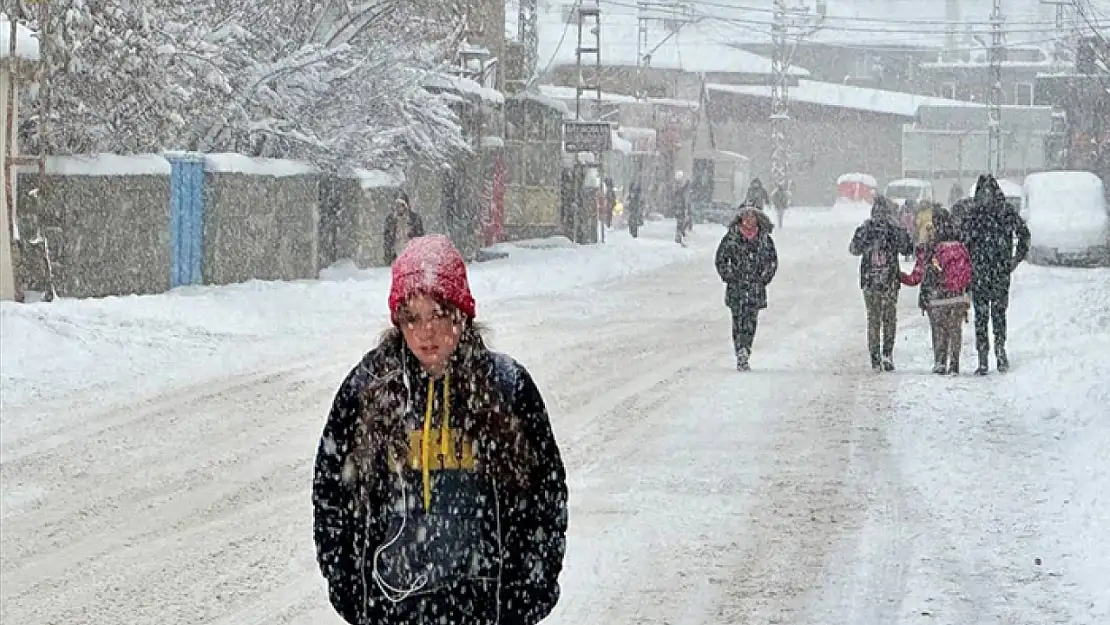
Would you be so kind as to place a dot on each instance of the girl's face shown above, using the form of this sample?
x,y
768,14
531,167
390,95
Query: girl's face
x,y
749,221
431,331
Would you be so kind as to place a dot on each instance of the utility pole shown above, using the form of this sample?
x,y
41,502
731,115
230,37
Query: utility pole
x,y
788,23
589,11
994,92
673,15
1060,33
528,34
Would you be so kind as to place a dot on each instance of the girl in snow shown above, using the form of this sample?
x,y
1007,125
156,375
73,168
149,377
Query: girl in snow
x,y
746,261
439,493
943,270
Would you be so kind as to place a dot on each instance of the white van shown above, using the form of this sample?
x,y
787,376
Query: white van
x,y
898,191
1068,217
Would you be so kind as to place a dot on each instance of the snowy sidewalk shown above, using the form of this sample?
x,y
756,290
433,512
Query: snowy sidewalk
x,y
191,333
992,501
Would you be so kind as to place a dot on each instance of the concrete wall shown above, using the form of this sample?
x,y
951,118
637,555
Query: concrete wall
x,y
107,222
260,227
352,220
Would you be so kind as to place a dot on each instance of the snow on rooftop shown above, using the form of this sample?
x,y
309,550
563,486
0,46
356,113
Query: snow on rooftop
x,y
464,85
568,94
866,179
26,41
847,96
697,47
108,165
378,178
227,163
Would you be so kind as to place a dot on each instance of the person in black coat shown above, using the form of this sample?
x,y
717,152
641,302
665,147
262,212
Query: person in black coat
x,y
746,261
439,493
757,195
878,242
635,207
990,229
394,240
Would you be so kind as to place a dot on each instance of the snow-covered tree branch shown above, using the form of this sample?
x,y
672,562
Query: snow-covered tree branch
x,y
337,81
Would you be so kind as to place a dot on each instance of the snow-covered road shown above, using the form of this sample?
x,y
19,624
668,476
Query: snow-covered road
x,y
807,491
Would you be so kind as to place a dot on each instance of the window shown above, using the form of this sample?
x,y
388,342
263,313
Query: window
x,y
948,90
1023,94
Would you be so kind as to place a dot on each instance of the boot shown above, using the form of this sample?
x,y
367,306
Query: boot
x,y
888,364
1000,356
940,369
983,365
954,366
742,355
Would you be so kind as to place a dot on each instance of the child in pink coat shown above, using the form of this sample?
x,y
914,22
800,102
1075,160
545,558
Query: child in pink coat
x,y
943,270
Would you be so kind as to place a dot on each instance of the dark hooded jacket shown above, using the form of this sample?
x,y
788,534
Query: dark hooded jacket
x,y
477,538
989,227
757,195
747,266
413,224
878,242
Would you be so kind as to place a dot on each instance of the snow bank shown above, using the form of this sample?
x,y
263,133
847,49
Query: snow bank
x,y
108,165
227,163
1017,463
26,40
195,334
378,178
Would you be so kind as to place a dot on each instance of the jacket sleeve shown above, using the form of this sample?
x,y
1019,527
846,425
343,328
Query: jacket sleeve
x,y
859,240
535,540
725,261
914,279
389,239
771,262
1023,238
334,529
904,242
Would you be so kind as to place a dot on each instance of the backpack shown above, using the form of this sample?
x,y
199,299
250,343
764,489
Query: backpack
x,y
952,265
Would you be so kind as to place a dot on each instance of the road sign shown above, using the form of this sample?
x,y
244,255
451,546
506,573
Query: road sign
x,y
581,136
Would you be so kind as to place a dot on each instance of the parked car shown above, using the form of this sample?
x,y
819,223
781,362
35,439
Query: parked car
x,y
904,189
1068,217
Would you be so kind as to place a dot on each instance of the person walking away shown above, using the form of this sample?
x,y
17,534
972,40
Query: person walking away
x,y
681,205
878,241
990,228
757,195
401,226
634,202
780,199
943,269
439,494
923,222
746,261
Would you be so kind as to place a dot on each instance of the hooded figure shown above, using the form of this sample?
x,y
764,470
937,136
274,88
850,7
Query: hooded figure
x,y
635,202
746,261
878,242
439,493
401,225
943,270
757,195
990,228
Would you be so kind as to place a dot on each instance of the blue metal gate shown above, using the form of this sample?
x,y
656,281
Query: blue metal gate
x,y
186,219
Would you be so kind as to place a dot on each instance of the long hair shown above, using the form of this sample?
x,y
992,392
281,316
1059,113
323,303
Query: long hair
x,y
487,416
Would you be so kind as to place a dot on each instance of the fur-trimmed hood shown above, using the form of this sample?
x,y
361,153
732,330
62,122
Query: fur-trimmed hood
x,y
766,226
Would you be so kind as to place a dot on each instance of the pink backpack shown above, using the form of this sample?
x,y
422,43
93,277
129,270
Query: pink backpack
x,y
955,266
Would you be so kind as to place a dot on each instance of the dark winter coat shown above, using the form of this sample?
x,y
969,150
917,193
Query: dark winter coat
x,y
989,228
635,204
479,539
878,242
747,266
757,195
415,227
